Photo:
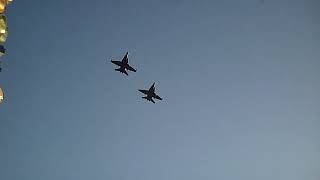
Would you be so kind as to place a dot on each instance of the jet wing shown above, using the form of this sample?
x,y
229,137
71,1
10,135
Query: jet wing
x,y
118,63
144,91
157,97
152,88
131,69
125,58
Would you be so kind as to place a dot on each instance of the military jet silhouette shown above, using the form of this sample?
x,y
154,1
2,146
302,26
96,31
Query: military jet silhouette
x,y
123,65
150,94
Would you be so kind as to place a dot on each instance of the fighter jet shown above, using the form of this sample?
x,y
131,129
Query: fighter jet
x,y
150,94
123,65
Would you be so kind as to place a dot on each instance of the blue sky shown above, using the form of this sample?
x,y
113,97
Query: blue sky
x,y
240,83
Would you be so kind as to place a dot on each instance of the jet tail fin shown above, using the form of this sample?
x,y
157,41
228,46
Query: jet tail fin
x,y
122,70
152,100
149,99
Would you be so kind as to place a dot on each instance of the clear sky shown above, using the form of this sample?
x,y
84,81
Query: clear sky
x,y
240,82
